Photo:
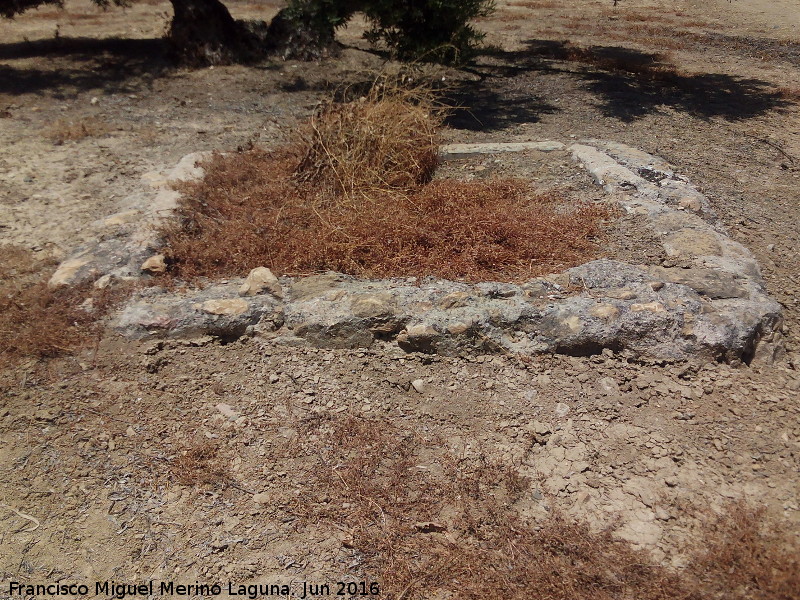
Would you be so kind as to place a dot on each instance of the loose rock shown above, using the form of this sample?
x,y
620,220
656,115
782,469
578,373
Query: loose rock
x,y
261,280
155,264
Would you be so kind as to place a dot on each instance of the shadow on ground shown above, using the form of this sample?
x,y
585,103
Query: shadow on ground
x,y
503,89
756,47
487,105
82,63
629,97
628,84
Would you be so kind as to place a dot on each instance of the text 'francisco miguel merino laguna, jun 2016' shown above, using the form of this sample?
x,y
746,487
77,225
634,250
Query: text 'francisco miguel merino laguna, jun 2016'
x,y
120,591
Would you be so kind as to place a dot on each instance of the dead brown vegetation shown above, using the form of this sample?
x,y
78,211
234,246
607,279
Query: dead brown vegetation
x,y
39,322
534,4
385,140
509,16
645,66
792,94
745,557
68,131
662,32
250,211
355,198
199,464
431,524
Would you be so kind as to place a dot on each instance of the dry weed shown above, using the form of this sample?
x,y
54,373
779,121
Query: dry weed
x,y
385,140
355,196
16,262
647,66
535,4
251,202
41,322
696,23
199,464
505,17
67,131
430,524
743,558
442,526
792,94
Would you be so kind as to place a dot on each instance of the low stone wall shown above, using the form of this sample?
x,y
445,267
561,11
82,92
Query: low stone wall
x,y
705,301
125,240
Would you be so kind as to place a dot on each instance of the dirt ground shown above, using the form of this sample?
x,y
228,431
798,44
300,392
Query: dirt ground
x,y
194,461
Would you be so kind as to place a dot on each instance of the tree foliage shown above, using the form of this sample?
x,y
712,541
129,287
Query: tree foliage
x,y
437,30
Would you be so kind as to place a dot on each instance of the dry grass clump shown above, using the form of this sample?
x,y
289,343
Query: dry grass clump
x,y
17,262
199,464
439,526
743,558
67,131
792,94
356,196
250,210
385,140
533,4
429,524
40,322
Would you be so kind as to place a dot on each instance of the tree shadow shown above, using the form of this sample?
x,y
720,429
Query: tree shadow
x,y
111,64
705,96
493,98
631,84
782,50
496,92
487,105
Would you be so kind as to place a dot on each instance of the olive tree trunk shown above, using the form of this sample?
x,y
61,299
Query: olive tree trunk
x,y
203,32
